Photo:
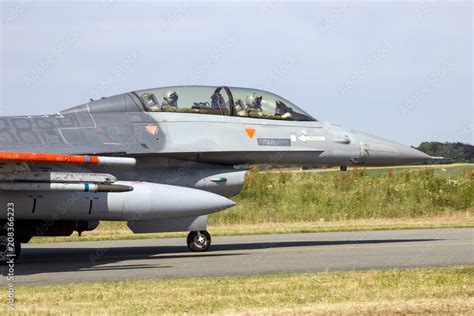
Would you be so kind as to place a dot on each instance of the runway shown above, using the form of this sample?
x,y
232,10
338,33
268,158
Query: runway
x,y
56,263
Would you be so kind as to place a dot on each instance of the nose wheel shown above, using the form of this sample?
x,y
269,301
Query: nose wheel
x,y
199,241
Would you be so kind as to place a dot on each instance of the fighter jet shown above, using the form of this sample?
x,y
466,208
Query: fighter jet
x,y
161,159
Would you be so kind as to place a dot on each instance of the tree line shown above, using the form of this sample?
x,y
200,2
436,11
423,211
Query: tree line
x,y
456,152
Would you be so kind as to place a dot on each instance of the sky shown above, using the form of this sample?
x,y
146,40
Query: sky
x,y
397,69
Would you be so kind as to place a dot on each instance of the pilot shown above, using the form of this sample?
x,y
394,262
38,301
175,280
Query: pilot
x,y
254,102
282,110
240,108
170,100
217,101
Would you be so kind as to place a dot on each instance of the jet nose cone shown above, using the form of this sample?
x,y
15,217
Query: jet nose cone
x,y
412,154
379,151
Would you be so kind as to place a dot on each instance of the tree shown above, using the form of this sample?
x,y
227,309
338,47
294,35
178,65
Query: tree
x,y
457,152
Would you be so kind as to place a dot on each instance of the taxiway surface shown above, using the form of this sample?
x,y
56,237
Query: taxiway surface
x,y
243,255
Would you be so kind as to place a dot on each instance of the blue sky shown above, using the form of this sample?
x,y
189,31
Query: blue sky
x,y
401,70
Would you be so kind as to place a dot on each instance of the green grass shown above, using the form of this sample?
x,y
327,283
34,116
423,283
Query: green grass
x,y
434,291
285,196
447,169
450,170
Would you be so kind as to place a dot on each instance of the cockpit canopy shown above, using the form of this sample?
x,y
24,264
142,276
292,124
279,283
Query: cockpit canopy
x,y
240,102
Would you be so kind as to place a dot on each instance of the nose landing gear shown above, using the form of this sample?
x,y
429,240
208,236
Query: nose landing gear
x,y
199,241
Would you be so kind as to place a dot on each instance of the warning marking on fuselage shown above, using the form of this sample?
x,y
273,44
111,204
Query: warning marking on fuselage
x,y
152,129
250,132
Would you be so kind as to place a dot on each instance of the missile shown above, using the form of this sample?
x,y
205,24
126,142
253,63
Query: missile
x,y
63,187
67,159
62,177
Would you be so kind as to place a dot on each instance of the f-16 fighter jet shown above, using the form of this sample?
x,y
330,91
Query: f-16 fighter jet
x,y
161,159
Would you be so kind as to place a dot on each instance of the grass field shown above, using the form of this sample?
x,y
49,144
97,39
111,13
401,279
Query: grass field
x,y
311,196
314,201
433,291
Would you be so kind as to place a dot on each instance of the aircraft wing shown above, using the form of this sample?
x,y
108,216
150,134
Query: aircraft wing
x,y
16,174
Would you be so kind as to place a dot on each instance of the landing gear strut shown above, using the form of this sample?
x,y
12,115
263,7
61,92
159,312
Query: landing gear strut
x,y
199,241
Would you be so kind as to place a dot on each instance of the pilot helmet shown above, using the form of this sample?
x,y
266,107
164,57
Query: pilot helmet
x,y
254,101
171,97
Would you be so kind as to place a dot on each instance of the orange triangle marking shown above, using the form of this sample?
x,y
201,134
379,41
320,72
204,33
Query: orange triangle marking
x,y
250,132
152,129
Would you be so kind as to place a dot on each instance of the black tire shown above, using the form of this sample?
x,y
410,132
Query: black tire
x,y
199,241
